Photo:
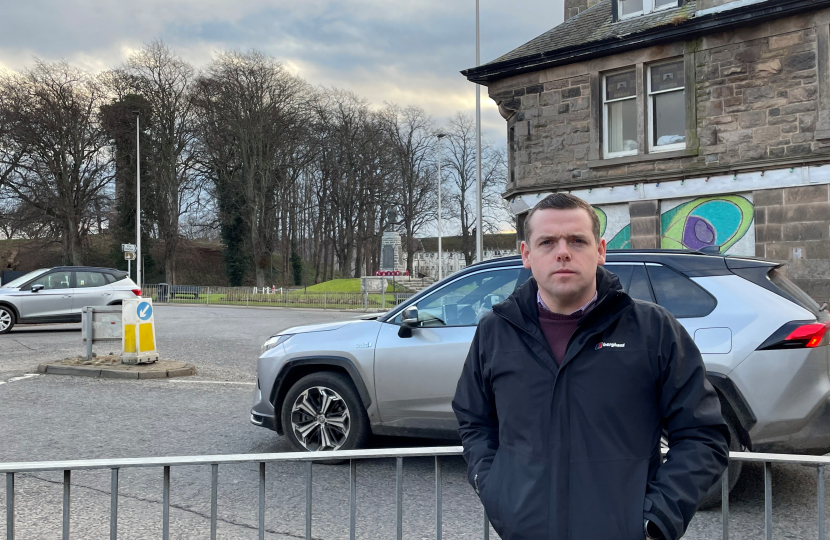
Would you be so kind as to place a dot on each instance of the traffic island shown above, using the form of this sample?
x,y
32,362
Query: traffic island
x,y
110,367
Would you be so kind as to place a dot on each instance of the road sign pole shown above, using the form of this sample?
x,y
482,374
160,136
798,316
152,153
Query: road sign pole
x,y
129,268
137,203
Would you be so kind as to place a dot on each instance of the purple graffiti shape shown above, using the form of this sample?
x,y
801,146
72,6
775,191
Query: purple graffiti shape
x,y
698,233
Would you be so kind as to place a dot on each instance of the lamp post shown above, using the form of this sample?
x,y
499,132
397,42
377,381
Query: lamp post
x,y
440,266
479,220
137,199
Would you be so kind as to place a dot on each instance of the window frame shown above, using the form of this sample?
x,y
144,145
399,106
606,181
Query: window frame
x,y
606,154
649,6
653,148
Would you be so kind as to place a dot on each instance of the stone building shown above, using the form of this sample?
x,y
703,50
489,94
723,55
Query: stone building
x,y
685,123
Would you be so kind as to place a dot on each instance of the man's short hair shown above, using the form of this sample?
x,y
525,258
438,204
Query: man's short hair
x,y
562,201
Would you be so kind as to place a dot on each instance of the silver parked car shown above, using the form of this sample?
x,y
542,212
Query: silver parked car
x,y
57,295
764,342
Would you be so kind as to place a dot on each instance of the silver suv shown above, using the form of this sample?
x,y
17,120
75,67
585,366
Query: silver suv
x,y
57,295
764,342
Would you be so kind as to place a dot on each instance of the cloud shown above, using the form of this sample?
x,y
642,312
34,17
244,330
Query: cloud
x,y
407,52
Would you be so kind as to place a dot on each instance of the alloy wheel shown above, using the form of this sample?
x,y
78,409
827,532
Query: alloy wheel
x,y
5,320
320,419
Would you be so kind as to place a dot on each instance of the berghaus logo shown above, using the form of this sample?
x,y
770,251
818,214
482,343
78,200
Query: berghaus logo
x,y
603,344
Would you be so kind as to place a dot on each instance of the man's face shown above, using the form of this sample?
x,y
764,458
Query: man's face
x,y
562,253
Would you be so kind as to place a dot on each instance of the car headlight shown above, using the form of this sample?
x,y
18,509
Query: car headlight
x,y
273,341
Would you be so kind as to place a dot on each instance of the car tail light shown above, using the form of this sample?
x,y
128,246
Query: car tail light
x,y
137,292
812,335
798,335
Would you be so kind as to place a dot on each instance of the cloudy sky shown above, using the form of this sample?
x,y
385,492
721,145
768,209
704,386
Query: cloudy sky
x,y
407,52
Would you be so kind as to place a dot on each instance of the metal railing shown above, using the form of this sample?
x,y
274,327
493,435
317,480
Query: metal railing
x,y
353,456
268,297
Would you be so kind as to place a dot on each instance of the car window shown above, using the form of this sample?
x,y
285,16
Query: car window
x,y
89,279
680,295
639,287
776,275
465,301
110,278
24,278
53,280
633,279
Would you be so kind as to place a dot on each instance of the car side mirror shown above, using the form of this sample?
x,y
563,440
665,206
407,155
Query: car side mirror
x,y
38,287
409,320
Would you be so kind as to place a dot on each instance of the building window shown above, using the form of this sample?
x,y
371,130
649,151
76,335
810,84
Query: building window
x,y
620,114
666,107
632,8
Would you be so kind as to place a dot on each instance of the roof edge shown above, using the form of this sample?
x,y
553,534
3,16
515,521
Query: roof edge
x,y
711,23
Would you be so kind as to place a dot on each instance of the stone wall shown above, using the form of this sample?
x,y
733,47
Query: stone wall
x,y
758,99
793,225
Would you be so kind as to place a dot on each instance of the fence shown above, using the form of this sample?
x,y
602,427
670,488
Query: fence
x,y
353,456
268,297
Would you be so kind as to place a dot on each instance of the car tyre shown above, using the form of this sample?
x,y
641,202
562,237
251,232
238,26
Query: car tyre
x,y
6,320
323,412
712,499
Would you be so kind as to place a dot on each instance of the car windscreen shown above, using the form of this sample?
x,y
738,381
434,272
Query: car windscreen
x,y
777,277
23,279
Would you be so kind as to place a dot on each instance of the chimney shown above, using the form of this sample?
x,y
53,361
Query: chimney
x,y
574,7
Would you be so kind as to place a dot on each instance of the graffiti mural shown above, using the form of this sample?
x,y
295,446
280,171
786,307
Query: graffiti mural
x,y
722,220
727,221
615,225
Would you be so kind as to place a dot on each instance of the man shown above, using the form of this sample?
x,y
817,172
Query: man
x,y
566,390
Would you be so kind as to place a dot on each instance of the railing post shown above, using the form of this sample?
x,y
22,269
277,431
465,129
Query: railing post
x,y
822,534
324,299
352,498
10,506
214,489
114,504
207,296
486,526
262,500
768,500
165,505
67,476
399,498
308,500
724,502
438,497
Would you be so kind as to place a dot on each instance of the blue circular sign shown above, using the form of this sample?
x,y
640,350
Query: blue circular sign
x,y
144,311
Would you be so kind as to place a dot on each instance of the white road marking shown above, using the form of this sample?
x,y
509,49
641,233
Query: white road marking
x,y
211,382
22,377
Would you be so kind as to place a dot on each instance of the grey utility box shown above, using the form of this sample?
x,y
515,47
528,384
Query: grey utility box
x,y
100,325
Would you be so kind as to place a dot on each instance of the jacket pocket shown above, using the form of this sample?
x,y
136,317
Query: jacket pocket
x,y
606,499
516,494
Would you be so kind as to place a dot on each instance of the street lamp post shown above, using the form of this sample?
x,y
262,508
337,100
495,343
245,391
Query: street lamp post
x,y
137,200
440,265
479,220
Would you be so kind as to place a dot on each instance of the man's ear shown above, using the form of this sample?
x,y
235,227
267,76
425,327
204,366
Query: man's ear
x,y
602,248
525,249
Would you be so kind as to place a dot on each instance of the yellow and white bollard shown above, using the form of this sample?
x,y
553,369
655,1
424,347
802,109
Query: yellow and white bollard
x,y
138,341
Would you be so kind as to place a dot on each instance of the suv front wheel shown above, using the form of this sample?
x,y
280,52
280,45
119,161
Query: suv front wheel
x,y
6,320
322,412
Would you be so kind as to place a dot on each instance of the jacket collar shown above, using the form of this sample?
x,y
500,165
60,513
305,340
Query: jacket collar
x,y
520,309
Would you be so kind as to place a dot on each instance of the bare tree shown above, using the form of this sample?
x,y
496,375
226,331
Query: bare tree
x,y
412,143
64,165
460,168
250,108
165,81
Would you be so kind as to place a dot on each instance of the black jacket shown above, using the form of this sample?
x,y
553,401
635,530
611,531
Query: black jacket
x,y
573,452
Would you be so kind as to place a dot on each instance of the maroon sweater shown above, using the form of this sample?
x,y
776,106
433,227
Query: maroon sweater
x,y
558,330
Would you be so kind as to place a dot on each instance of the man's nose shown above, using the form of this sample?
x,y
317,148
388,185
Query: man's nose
x,y
562,251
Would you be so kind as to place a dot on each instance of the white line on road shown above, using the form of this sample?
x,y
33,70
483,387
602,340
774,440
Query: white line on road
x,y
212,382
22,377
